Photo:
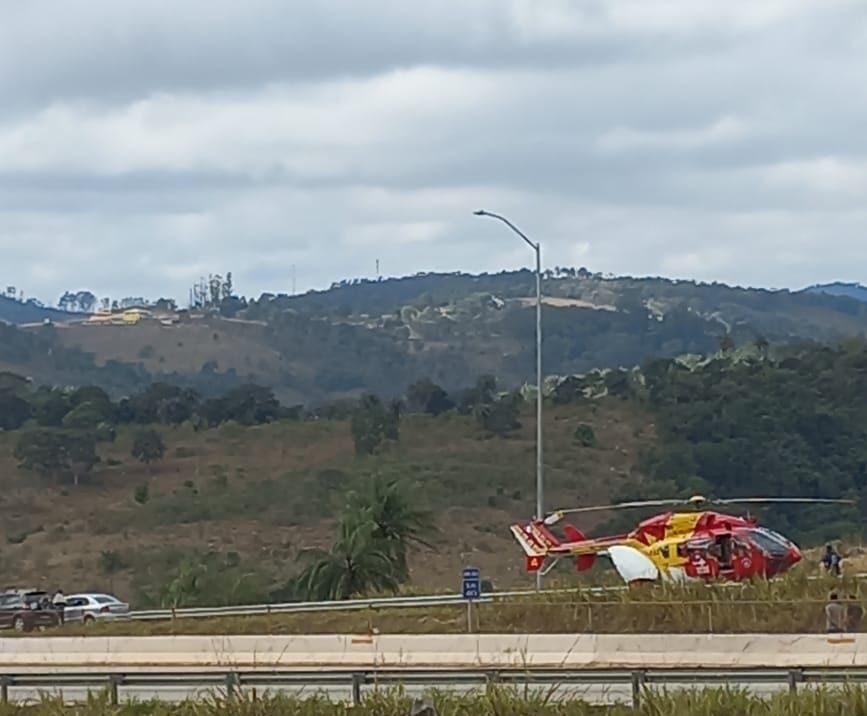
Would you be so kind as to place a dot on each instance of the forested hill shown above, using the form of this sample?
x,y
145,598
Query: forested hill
x,y
789,422
851,290
143,489
379,336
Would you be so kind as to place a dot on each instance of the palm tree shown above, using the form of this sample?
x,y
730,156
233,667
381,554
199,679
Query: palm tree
x,y
396,522
357,563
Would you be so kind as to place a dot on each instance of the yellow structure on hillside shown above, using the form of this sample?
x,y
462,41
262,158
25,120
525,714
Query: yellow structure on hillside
x,y
128,317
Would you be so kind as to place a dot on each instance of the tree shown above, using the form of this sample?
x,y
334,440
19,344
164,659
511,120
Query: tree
x,y
186,584
397,522
86,416
147,446
356,564
501,416
372,423
57,454
50,407
483,393
251,405
585,436
85,300
67,301
14,410
429,397
159,402
227,290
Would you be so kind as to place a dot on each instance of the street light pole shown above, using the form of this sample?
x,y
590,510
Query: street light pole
x,y
537,247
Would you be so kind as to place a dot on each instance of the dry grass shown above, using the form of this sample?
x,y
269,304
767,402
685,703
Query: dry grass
x,y
267,493
845,701
794,605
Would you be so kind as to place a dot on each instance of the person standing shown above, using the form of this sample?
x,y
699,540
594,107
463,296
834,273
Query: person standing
x,y
854,615
832,560
835,616
58,601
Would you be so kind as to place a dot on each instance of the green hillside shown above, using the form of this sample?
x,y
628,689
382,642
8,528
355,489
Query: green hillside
x,y
168,485
380,336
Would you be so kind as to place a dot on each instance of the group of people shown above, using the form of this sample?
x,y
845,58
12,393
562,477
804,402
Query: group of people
x,y
840,616
843,617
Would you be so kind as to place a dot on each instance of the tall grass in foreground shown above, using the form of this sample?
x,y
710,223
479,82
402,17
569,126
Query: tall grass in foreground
x,y
791,605
846,701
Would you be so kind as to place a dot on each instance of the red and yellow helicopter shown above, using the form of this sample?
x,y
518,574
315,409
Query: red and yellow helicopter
x,y
673,546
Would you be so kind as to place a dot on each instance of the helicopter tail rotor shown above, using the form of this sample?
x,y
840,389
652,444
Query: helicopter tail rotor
x,y
583,562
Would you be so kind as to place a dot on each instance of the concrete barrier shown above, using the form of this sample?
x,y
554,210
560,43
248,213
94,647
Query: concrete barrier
x,y
563,651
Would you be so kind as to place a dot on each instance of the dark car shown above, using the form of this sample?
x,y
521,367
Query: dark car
x,y
26,611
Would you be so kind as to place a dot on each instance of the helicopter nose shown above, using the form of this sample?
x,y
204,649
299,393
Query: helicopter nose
x,y
794,556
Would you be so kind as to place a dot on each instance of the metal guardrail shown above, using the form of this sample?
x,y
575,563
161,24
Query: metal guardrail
x,y
232,683
430,600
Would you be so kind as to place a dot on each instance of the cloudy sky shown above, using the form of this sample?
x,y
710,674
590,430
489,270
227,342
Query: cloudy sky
x,y
146,142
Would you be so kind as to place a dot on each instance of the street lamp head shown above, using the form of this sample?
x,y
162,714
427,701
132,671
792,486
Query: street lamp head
x,y
480,212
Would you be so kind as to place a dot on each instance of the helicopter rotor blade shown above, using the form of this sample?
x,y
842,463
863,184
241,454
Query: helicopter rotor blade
x,y
781,500
557,515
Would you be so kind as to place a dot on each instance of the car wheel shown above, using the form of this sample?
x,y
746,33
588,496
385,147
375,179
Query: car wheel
x,y
18,624
88,620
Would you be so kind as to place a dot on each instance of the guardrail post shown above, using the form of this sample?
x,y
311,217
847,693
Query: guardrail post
x,y
357,682
113,682
795,677
232,683
5,681
637,688
492,678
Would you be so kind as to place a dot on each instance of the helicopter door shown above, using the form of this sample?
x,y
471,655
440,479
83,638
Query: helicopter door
x,y
723,552
742,559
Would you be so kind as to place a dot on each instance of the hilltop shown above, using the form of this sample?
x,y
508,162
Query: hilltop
x,y
850,290
31,311
379,336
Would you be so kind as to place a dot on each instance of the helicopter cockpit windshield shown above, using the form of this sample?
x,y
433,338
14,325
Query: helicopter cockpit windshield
x,y
774,544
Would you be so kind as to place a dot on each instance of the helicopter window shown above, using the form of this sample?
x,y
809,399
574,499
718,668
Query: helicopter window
x,y
770,543
663,550
770,534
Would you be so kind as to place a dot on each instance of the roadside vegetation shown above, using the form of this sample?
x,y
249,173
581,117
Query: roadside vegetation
x,y
498,701
791,605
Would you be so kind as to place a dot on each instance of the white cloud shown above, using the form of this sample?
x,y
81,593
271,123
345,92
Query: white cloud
x,y
725,130
142,144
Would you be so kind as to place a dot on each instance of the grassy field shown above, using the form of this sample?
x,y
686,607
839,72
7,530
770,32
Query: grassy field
x,y
847,701
794,605
254,499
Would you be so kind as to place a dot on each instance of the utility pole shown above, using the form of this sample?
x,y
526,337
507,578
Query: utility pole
x,y
537,248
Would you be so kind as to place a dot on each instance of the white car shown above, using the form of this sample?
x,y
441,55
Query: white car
x,y
88,608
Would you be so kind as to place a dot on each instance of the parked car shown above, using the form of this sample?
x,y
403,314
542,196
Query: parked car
x,y
88,608
28,610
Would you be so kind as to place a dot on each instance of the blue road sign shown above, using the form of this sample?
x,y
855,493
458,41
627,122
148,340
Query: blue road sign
x,y
471,583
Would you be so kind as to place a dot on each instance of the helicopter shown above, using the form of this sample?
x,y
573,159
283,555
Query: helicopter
x,y
701,544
